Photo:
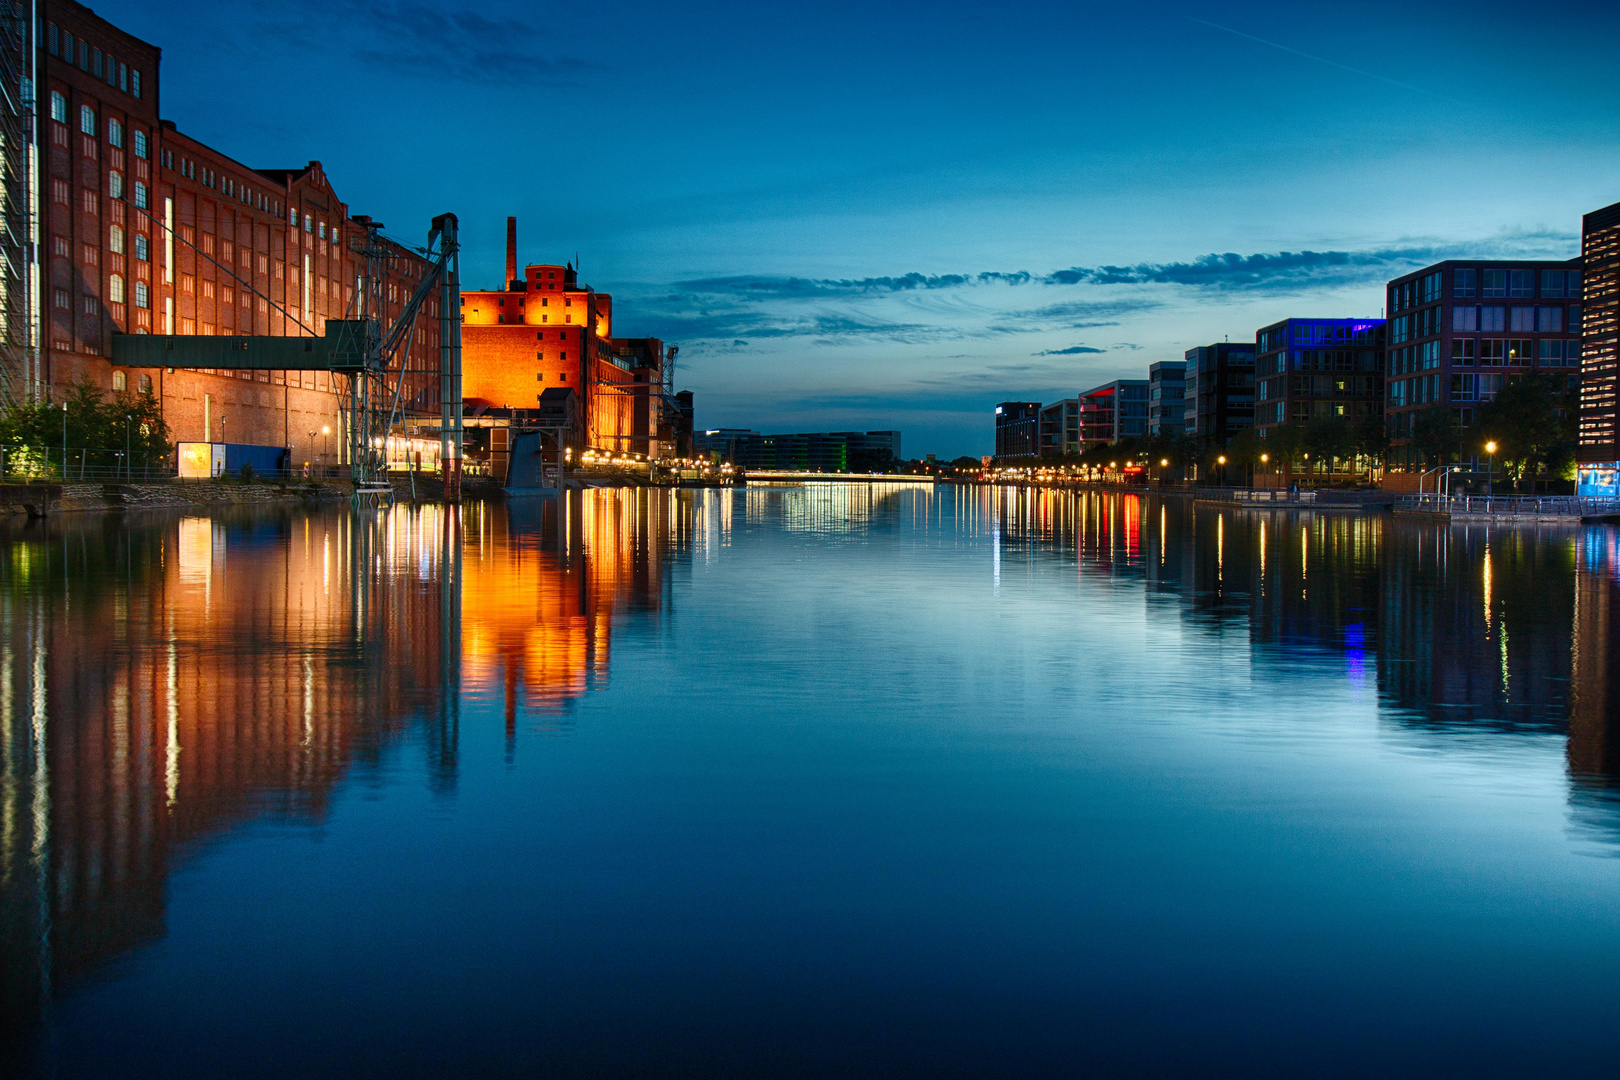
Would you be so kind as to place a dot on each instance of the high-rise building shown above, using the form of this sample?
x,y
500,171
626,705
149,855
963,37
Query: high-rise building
x,y
1219,398
1018,429
1311,369
1060,428
1459,330
1599,450
1167,394
1113,411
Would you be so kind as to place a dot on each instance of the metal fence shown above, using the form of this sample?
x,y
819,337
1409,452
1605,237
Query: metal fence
x,y
1248,496
1529,507
73,464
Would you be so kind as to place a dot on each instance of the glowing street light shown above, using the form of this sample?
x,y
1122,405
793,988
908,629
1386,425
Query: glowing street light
x,y
1490,479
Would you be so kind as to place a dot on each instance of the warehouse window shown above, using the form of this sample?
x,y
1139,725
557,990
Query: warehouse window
x,y
115,133
143,296
115,240
87,120
58,107
140,143
115,289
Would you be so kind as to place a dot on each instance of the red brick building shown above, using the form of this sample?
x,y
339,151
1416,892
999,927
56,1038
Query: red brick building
x,y
545,329
146,230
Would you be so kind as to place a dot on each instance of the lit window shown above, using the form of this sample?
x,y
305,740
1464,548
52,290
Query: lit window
x,y
115,289
115,240
309,223
58,107
115,184
118,382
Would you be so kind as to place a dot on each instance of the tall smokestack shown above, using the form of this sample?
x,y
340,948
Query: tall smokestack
x,y
511,251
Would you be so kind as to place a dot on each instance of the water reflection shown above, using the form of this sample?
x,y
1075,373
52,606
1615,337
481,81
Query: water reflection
x,y
166,680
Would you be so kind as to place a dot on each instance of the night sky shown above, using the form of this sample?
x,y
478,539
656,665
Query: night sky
x,y
886,215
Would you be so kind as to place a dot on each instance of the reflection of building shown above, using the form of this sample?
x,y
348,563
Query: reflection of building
x,y
1594,713
245,665
543,582
147,230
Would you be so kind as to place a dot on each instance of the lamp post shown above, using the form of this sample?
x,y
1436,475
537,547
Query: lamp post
x,y
1490,477
64,438
325,432
127,419
1221,461
1263,459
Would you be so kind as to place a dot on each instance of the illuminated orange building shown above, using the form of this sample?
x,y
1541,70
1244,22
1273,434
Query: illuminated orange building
x,y
545,329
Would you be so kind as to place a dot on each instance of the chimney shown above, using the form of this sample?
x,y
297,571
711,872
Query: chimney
x,y
511,253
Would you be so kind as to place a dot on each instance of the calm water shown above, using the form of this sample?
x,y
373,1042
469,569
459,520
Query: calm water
x,y
808,781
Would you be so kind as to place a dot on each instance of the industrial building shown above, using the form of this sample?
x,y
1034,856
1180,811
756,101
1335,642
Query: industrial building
x,y
547,330
145,230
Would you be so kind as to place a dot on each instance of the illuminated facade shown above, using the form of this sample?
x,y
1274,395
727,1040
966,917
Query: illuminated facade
x,y
1018,429
146,230
1315,369
546,329
1458,331
1599,450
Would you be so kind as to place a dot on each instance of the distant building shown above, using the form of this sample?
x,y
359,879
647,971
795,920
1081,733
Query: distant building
x,y
1219,399
1459,330
1167,392
1060,428
1312,369
834,451
1599,451
1113,411
1018,429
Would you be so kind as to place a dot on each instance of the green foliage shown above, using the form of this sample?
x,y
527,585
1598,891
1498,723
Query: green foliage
x,y
1435,434
1533,423
31,431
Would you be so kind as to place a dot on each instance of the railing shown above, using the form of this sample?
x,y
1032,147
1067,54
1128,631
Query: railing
x,y
1248,496
1493,506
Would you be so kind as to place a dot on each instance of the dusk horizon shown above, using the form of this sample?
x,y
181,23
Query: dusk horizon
x,y
877,244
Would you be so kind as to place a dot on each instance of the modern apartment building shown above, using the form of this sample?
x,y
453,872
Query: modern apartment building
x,y
1458,330
1060,428
1219,398
834,451
1308,369
1599,450
1167,397
1113,411
1018,429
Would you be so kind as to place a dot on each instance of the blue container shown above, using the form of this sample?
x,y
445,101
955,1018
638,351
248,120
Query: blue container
x,y
265,460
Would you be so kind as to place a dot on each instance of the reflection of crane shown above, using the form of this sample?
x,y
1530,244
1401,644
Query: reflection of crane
x,y
375,358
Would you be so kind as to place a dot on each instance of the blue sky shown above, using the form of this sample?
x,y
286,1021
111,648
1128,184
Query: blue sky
x,y
896,215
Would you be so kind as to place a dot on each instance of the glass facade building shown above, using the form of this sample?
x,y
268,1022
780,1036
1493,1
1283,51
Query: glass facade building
x,y
1313,369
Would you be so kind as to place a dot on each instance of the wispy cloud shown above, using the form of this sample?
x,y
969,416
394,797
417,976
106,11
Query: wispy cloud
x,y
1312,56
431,41
1072,350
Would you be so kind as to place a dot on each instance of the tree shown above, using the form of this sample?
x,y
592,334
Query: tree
x,y
96,424
1524,422
1328,439
1371,436
1435,434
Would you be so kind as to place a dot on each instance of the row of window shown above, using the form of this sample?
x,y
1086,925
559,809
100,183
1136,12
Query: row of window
x,y
1469,282
88,125
1545,319
59,42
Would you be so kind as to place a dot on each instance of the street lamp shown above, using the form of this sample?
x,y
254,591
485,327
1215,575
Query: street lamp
x,y
127,419
1490,478
325,431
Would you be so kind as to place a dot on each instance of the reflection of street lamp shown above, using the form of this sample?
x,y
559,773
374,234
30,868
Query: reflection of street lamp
x,y
127,419
1490,479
